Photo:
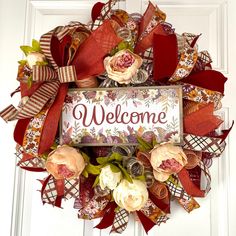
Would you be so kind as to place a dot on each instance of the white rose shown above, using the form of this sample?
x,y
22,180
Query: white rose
x,y
131,196
34,57
108,178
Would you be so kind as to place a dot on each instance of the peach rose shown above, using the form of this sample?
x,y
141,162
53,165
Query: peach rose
x,y
65,163
167,159
122,66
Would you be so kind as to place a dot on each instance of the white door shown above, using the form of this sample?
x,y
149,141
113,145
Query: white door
x,y
22,213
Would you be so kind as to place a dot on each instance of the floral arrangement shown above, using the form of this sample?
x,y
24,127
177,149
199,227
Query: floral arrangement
x,y
117,49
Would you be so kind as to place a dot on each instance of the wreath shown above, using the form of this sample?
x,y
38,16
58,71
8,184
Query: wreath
x,y
117,49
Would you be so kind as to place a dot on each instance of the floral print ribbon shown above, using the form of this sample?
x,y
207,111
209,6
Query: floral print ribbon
x,y
33,132
201,95
186,64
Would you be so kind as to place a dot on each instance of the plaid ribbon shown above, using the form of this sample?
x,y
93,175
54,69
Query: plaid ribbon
x,y
71,189
203,144
120,221
175,188
49,191
203,60
105,14
190,38
206,173
34,105
147,57
30,163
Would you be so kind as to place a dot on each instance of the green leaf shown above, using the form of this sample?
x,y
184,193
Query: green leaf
x,y
96,181
29,81
115,156
22,62
44,156
125,173
117,209
102,160
26,49
85,173
122,45
145,146
114,168
36,45
54,146
85,156
41,63
92,169
141,177
154,142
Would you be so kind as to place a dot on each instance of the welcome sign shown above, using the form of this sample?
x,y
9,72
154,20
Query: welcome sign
x,y
110,116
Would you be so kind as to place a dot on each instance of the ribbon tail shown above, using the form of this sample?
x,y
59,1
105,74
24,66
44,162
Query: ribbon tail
x,y
163,204
188,185
108,217
146,222
52,120
120,221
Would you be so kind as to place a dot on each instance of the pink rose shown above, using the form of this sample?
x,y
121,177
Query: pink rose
x,y
122,66
167,159
65,163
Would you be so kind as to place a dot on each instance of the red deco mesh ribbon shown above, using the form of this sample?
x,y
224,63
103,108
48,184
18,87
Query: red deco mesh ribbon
x,y
202,121
149,26
88,61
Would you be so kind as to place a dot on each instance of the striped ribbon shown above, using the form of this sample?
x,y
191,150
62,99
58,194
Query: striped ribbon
x,y
45,74
45,45
71,27
65,74
34,104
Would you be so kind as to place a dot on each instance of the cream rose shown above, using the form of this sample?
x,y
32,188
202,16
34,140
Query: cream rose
x,y
65,163
34,57
108,178
122,66
167,159
131,196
